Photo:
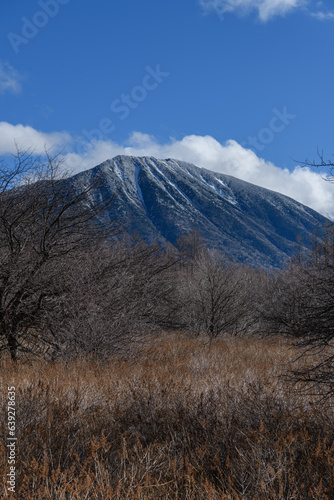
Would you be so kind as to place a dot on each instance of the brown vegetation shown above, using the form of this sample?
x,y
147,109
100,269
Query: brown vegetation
x,y
179,422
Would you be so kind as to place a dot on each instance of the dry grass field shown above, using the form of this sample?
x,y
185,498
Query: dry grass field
x,y
179,421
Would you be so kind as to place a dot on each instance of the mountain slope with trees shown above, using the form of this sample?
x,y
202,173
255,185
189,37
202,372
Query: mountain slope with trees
x,y
164,199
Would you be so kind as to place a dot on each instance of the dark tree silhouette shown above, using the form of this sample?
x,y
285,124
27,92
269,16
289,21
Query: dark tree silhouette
x,y
301,306
45,219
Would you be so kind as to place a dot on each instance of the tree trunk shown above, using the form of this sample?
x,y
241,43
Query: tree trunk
x,y
12,346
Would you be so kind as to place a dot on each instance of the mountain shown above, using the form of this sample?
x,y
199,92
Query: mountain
x,y
164,199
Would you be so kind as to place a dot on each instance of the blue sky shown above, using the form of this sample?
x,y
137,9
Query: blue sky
x,y
238,86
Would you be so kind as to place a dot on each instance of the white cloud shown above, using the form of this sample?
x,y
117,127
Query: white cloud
x,y
27,137
271,8
265,9
10,79
302,184
322,16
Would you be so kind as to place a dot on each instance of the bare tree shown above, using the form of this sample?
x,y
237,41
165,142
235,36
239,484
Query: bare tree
x,y
301,306
321,163
117,296
217,296
189,246
44,220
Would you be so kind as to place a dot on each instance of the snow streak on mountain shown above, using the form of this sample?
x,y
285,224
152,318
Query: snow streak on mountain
x,y
167,198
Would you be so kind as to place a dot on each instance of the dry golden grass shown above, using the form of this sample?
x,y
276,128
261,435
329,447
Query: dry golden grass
x,y
181,421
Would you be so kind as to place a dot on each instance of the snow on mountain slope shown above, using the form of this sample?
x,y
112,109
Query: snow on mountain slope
x,y
166,198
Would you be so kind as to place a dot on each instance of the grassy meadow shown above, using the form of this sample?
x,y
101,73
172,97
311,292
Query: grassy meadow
x,y
179,420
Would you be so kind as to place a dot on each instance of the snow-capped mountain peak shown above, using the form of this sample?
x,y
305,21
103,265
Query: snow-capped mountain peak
x,y
167,198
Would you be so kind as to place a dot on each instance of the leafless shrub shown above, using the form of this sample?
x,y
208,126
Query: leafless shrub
x,y
180,422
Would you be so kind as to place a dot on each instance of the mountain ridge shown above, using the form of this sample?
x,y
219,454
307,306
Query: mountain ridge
x,y
163,199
